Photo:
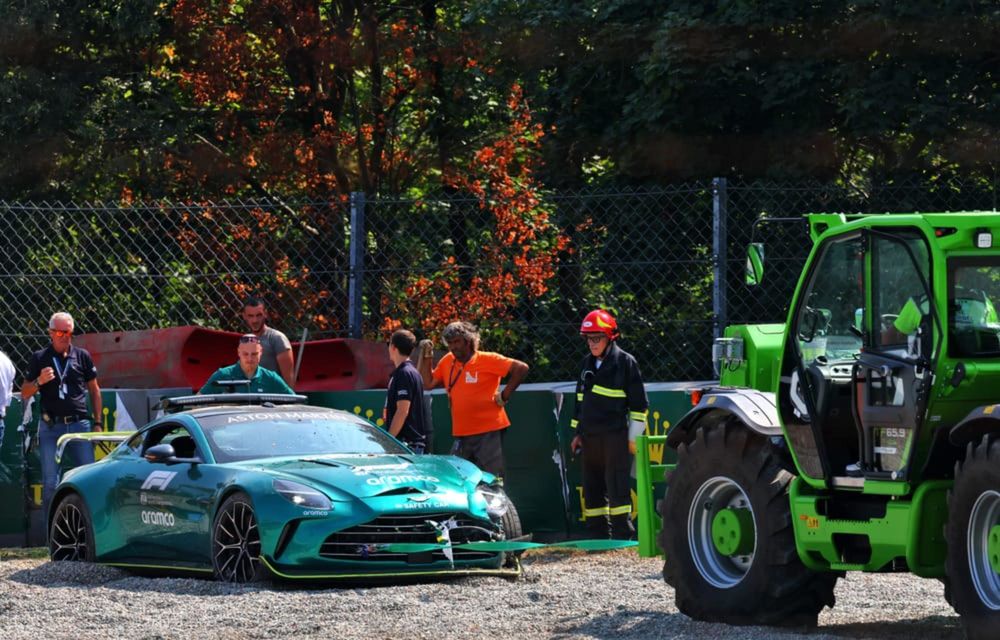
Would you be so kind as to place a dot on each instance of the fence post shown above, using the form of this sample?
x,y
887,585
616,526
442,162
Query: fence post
x,y
357,262
720,204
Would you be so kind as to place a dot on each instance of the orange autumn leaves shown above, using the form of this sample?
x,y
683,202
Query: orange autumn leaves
x,y
517,262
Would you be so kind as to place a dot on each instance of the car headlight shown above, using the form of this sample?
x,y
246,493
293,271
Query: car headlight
x,y
496,500
302,495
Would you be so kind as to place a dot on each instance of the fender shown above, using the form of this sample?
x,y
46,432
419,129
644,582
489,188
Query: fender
x,y
756,409
980,421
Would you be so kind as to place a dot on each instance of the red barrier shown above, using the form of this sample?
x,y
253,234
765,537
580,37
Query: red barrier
x,y
187,356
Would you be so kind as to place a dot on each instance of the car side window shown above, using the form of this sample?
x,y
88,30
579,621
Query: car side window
x,y
175,435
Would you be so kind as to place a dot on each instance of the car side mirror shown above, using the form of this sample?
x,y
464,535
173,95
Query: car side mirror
x,y
755,264
160,453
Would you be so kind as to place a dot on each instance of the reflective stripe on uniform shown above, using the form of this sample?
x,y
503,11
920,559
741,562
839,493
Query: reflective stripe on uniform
x,y
610,393
579,397
637,415
617,511
573,423
599,511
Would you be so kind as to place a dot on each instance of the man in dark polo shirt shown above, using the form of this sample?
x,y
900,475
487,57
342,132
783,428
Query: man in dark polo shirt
x,y
63,374
404,398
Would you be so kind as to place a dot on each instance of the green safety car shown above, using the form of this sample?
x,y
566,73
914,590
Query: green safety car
x,y
247,491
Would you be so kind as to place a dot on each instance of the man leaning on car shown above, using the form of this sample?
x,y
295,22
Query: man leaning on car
x,y
246,376
62,375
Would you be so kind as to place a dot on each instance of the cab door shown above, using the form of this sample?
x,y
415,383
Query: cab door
x,y
823,342
894,372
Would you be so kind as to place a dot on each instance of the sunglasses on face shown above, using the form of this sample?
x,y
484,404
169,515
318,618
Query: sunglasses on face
x,y
249,340
593,339
59,333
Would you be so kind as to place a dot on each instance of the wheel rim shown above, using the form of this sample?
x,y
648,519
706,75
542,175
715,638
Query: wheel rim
x,y
237,544
69,534
715,495
982,522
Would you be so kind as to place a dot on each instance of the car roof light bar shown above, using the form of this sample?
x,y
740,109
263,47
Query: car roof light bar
x,y
179,403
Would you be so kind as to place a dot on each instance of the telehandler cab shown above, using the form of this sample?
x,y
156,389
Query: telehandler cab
x,y
861,435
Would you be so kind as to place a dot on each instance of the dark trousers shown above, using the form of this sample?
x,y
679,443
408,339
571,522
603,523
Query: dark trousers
x,y
485,450
607,488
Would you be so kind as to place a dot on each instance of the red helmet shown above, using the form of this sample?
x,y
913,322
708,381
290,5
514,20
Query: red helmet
x,y
600,321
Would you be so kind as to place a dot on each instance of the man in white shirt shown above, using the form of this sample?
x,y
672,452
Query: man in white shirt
x,y
7,373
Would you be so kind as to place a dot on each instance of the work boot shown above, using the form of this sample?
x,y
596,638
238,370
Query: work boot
x,y
622,528
599,528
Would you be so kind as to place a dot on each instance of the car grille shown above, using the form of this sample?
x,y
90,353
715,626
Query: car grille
x,y
364,541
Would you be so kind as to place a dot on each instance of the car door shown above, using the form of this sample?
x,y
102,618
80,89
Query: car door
x,y
165,507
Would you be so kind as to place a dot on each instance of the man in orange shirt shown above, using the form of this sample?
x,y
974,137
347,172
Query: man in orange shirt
x,y
472,380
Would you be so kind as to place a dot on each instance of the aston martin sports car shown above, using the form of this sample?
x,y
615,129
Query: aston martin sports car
x,y
250,491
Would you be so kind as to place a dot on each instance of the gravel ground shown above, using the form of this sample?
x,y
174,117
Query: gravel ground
x,y
561,595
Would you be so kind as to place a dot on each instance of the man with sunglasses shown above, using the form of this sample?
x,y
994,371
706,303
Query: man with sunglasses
x,y
246,376
610,412
62,375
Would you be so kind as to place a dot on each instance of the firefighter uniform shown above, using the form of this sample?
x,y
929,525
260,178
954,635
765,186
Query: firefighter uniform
x,y
610,404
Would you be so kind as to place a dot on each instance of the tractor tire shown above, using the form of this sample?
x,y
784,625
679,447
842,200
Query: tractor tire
x,y
726,469
972,535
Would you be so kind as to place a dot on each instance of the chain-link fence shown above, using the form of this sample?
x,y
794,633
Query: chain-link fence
x,y
118,268
668,261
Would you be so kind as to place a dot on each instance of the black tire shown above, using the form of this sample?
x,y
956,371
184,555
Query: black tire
x,y
511,522
728,466
71,532
236,542
971,586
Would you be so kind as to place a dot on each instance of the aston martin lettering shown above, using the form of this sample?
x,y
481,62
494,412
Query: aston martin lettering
x,y
400,479
284,415
158,480
159,518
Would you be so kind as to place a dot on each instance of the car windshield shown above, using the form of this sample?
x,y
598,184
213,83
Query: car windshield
x,y
245,436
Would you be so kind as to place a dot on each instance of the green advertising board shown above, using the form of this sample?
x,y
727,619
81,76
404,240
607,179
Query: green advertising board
x,y
542,478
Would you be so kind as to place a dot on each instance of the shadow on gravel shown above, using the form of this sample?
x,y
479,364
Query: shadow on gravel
x,y
633,625
929,628
83,575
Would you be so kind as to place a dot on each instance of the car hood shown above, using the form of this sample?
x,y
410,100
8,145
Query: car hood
x,y
365,476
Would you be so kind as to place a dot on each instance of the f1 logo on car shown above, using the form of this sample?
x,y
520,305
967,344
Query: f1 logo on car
x,y
158,480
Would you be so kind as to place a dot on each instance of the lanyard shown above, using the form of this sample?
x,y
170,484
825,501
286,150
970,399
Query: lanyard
x,y
62,375
453,376
61,372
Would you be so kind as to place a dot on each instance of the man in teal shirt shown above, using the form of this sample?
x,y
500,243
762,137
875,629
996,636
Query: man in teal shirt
x,y
248,368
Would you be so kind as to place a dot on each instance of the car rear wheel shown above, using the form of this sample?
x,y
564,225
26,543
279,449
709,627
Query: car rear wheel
x,y
236,542
71,535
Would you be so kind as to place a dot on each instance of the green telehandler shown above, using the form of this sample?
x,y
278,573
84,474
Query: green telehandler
x,y
863,434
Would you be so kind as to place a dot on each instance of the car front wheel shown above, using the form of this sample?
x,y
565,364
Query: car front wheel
x,y
236,542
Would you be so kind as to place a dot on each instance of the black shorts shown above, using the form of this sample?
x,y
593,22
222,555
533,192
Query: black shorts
x,y
485,450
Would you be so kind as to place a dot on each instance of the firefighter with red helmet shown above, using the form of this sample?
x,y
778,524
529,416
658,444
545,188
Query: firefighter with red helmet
x,y
611,409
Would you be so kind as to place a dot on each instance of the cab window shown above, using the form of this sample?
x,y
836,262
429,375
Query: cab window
x,y
973,288
828,325
900,273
